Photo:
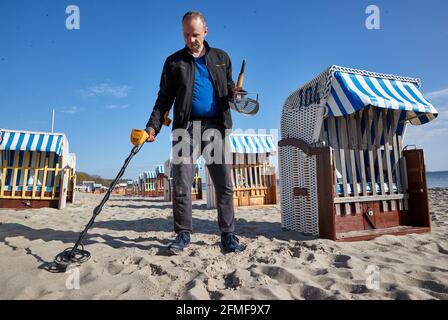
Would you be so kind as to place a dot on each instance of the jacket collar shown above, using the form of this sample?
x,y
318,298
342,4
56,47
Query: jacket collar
x,y
187,51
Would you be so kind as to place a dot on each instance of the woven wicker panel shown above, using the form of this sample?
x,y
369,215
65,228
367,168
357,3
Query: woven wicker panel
x,y
299,170
304,123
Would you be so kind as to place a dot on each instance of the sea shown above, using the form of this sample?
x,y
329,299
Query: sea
x,y
437,179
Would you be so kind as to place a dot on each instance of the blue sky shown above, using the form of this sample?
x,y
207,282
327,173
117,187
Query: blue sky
x,y
103,79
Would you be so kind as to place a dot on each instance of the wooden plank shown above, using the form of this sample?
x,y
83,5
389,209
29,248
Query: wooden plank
x,y
386,197
322,134
263,169
235,165
418,214
44,183
268,172
377,124
251,165
2,190
53,194
25,173
370,146
348,129
63,189
372,234
389,141
342,147
361,144
243,173
14,176
395,116
353,164
333,141
233,171
238,176
387,151
4,166
36,174
403,168
325,204
260,171
256,176
397,152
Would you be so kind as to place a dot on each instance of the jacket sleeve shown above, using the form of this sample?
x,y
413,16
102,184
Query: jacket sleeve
x,y
230,83
165,99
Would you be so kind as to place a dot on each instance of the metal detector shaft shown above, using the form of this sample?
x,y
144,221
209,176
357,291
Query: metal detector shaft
x,y
98,209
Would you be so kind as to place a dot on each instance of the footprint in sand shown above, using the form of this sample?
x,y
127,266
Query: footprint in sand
x,y
115,269
341,261
280,274
313,293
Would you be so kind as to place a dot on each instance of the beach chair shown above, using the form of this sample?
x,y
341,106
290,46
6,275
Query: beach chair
x,y
36,170
168,182
253,177
71,191
196,187
150,178
160,180
344,172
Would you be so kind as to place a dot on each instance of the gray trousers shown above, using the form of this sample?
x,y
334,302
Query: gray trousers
x,y
183,176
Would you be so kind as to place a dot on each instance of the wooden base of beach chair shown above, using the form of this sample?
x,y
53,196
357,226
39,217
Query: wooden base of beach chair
x,y
23,204
196,196
365,217
375,218
153,194
254,197
372,234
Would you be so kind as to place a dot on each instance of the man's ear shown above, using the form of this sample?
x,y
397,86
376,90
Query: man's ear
x,y
205,31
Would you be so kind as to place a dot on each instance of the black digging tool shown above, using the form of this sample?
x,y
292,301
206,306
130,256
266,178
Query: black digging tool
x,y
75,255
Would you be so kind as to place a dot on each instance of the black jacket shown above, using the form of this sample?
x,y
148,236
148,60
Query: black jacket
x,y
177,84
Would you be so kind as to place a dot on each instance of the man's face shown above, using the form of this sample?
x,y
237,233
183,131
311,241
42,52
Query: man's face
x,y
194,34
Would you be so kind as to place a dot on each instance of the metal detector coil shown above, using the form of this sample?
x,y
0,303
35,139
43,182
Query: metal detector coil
x,y
242,103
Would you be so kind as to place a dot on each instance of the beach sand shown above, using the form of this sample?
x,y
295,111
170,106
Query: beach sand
x,y
129,259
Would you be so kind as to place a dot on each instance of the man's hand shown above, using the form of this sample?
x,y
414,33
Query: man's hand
x,y
235,92
152,135
238,94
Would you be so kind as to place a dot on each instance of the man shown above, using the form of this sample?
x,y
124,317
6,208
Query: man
x,y
198,80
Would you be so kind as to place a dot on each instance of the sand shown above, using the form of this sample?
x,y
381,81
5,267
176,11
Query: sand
x,y
129,259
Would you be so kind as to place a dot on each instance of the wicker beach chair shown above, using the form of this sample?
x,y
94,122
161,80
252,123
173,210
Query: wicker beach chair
x,y
344,172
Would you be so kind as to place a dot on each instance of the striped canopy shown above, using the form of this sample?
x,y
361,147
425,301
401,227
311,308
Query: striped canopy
x,y
33,141
150,174
241,143
351,92
160,169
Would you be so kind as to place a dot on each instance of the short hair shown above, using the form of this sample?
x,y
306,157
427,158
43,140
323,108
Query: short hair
x,y
193,14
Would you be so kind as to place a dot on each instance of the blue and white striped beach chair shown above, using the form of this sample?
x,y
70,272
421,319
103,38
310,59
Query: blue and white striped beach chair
x,y
343,168
33,166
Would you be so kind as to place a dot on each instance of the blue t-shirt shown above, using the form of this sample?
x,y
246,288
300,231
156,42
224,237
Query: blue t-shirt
x,y
204,101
